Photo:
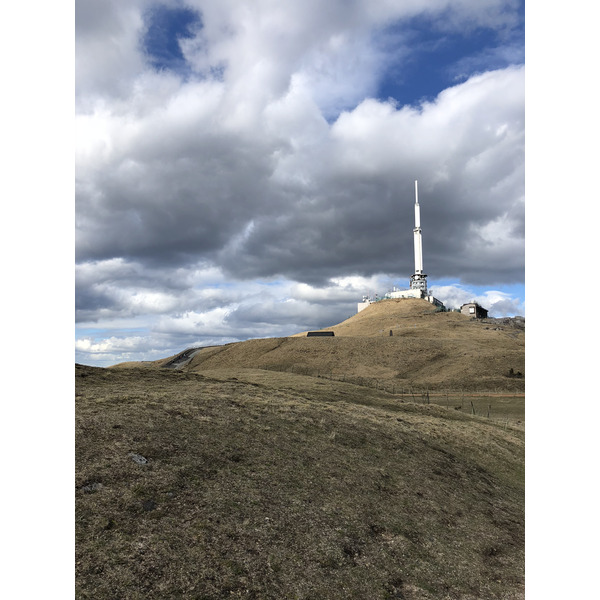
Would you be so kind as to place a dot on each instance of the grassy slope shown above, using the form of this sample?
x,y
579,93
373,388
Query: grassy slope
x,y
274,485
427,350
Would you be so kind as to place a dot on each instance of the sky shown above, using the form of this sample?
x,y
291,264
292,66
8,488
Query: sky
x,y
247,170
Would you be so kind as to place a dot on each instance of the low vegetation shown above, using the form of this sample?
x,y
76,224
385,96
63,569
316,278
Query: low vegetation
x,y
386,462
247,483
427,350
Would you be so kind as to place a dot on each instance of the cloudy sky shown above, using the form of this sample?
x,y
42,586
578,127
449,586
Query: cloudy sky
x,y
246,169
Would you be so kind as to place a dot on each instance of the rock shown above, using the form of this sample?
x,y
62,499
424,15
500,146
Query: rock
x,y
149,505
92,487
138,458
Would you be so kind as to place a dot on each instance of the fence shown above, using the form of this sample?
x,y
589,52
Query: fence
x,y
503,406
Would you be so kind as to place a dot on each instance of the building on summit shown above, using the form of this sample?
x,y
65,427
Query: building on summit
x,y
473,309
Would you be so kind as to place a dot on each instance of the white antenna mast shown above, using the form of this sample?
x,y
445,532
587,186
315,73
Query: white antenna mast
x,y
419,279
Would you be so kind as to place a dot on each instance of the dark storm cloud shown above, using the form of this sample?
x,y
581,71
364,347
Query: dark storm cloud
x,y
345,232
117,288
285,317
181,199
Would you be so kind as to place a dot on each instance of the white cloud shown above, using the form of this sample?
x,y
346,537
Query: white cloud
x,y
111,345
339,289
208,323
107,53
457,130
502,304
499,304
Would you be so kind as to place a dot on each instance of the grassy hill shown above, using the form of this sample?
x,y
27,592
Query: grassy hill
x,y
275,469
427,350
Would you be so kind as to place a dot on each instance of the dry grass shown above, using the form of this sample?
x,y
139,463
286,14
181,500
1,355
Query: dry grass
x,y
301,468
428,351
264,484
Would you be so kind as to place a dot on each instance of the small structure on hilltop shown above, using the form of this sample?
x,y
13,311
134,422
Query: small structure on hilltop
x,y
473,309
418,280
320,334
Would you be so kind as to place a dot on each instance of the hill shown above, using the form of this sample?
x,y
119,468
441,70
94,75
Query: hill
x,y
248,483
309,467
398,344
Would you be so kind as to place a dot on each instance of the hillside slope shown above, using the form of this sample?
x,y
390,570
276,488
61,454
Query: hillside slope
x,y
396,314
288,486
426,350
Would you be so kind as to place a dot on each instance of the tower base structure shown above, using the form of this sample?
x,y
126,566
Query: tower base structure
x,y
404,294
418,281
412,293
396,293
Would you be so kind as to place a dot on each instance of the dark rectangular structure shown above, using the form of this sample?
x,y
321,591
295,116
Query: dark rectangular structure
x,y
320,333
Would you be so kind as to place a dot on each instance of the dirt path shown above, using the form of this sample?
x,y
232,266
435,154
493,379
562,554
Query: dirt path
x,y
182,359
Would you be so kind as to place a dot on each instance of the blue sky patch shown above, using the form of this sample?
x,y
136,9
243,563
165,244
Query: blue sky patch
x,y
165,27
438,60
514,290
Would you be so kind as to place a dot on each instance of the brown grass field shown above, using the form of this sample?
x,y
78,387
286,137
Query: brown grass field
x,y
427,350
269,469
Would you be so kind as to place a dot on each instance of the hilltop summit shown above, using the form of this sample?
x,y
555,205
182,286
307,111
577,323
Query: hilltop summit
x,y
401,342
